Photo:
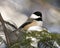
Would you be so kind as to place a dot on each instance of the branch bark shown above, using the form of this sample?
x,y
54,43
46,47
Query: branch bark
x,y
5,30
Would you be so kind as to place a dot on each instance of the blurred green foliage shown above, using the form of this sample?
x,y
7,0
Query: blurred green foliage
x,y
43,36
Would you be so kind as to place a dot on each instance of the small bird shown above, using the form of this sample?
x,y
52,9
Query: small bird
x,y
36,23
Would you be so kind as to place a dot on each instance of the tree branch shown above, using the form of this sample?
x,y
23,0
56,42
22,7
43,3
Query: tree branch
x,y
5,30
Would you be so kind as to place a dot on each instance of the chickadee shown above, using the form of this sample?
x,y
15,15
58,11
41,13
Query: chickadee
x,y
36,23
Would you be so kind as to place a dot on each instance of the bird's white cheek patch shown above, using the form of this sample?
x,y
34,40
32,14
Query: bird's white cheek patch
x,y
34,16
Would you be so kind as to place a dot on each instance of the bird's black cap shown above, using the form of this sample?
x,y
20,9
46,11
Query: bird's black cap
x,y
38,13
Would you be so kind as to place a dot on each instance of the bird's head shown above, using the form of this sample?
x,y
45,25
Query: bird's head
x,y
36,16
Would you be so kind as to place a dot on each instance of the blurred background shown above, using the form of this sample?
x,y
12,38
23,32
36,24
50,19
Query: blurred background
x,y
18,11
